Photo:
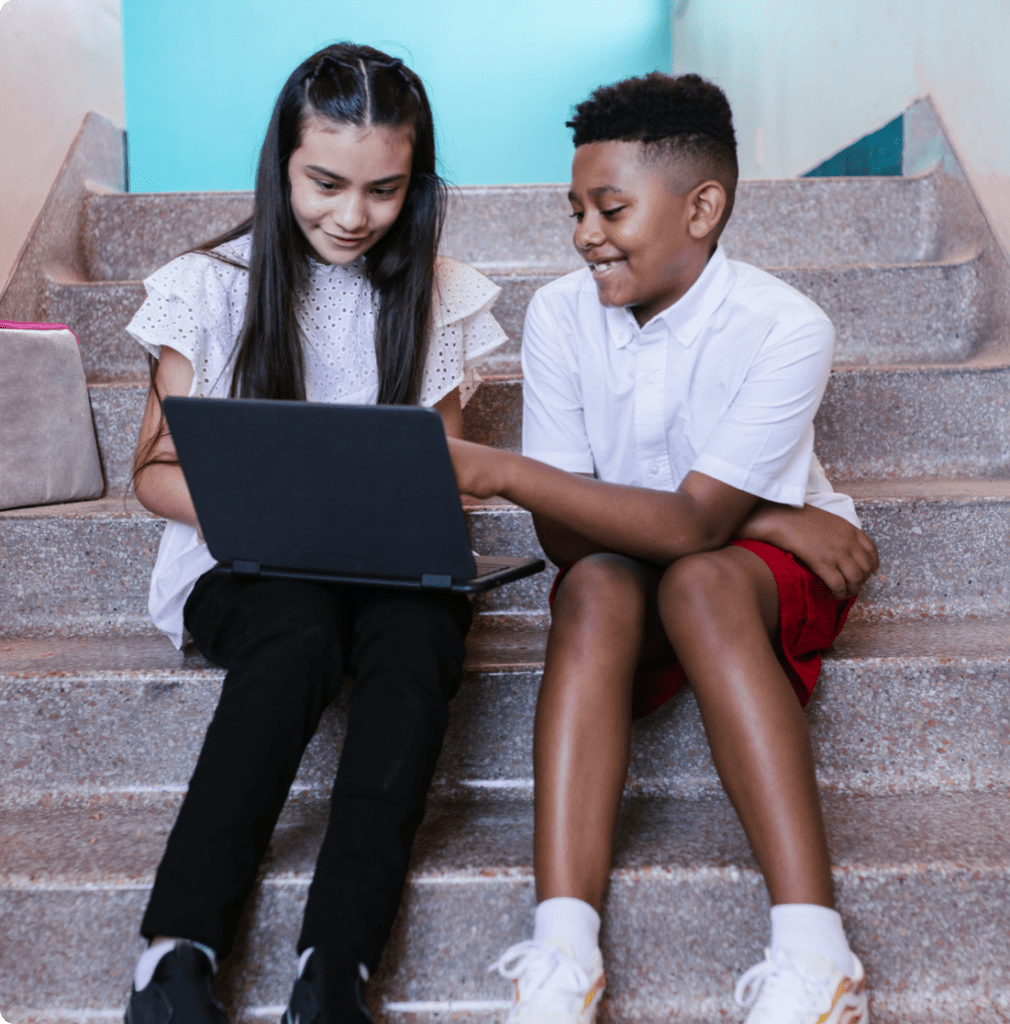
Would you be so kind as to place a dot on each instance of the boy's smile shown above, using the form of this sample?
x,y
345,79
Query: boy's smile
x,y
643,242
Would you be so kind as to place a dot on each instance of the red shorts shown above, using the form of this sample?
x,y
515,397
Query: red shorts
x,y
810,617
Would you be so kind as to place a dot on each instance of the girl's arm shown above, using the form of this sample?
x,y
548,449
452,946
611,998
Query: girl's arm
x,y
451,411
159,484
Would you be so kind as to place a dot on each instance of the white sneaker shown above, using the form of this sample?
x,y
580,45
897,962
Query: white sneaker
x,y
802,989
551,986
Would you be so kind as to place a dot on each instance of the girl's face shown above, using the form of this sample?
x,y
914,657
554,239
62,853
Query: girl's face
x,y
348,185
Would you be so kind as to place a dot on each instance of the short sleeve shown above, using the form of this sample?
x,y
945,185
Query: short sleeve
x,y
195,305
763,443
554,426
463,330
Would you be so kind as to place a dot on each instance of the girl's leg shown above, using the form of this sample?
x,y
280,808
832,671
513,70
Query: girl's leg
x,y
407,659
720,612
280,641
583,722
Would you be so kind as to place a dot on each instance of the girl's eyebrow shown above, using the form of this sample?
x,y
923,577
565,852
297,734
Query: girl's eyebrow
x,y
340,177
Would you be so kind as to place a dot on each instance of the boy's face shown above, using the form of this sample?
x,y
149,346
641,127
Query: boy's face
x,y
632,228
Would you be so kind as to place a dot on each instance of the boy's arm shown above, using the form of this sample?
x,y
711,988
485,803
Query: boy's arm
x,y
839,553
656,526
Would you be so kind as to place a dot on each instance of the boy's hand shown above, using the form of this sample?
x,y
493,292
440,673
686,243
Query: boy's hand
x,y
480,471
839,553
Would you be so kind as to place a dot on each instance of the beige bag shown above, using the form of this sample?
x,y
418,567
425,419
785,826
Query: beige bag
x,y
48,451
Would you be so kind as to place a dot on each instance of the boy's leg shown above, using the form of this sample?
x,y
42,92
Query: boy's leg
x,y
407,659
720,612
599,629
280,641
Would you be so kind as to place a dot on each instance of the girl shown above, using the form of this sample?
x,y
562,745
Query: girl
x,y
332,292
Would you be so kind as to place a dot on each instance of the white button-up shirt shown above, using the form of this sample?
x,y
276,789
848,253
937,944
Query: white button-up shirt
x,y
725,382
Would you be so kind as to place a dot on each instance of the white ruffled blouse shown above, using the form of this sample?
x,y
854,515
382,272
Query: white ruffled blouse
x,y
196,305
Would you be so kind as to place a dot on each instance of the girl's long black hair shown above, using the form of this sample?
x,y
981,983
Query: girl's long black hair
x,y
361,86
345,84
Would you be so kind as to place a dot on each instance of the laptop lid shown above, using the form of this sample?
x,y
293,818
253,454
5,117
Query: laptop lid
x,y
384,501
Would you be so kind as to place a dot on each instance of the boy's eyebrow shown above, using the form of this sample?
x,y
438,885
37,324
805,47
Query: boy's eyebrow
x,y
595,193
340,177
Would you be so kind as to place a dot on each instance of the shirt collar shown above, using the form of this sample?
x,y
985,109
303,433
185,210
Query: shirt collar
x,y
686,317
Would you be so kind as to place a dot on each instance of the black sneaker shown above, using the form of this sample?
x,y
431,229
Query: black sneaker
x,y
331,990
179,992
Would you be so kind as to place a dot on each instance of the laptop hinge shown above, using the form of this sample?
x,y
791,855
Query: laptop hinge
x,y
243,567
429,579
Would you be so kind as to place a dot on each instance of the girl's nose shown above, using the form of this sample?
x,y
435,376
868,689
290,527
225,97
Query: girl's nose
x,y
350,214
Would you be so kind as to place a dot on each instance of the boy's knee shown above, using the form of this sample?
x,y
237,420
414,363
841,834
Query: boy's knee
x,y
701,580
603,583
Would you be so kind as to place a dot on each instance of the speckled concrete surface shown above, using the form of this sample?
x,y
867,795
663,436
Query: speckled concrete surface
x,y
470,895
908,722
95,160
98,312
117,410
940,555
130,235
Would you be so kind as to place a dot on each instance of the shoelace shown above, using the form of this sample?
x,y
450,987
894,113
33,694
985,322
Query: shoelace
x,y
539,962
780,979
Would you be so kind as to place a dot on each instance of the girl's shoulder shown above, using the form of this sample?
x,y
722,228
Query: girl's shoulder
x,y
460,292
221,268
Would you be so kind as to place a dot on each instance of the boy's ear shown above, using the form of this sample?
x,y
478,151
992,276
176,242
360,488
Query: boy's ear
x,y
707,203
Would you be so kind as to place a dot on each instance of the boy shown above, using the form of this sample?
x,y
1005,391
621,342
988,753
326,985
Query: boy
x,y
687,385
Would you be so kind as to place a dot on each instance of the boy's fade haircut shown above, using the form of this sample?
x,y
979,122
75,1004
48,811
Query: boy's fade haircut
x,y
679,116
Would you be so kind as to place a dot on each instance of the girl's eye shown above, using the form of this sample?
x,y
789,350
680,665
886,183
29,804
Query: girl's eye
x,y
612,211
576,215
384,193
325,186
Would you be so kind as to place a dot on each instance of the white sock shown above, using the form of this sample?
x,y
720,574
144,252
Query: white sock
x,y
150,958
809,928
571,920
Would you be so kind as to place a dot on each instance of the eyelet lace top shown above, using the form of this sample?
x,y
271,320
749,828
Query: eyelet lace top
x,y
196,305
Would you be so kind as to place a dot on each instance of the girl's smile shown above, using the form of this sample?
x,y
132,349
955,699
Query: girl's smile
x,y
348,185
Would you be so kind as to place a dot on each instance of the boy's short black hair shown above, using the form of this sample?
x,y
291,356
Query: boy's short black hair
x,y
679,115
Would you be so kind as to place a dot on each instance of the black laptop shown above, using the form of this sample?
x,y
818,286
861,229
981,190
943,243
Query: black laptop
x,y
337,493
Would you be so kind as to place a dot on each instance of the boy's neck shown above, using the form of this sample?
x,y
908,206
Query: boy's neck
x,y
694,267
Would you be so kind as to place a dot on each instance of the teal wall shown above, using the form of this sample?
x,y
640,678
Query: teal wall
x,y
201,77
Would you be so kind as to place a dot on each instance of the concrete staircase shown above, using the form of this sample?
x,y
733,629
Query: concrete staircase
x,y
102,719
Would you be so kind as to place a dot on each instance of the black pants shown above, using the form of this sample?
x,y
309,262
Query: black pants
x,y
286,645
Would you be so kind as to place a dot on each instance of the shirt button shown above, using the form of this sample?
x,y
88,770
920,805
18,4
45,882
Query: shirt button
x,y
654,468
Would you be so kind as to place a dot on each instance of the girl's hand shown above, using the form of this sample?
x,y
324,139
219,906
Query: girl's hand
x,y
839,553
480,471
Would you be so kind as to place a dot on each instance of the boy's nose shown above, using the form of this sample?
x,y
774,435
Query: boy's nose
x,y
587,233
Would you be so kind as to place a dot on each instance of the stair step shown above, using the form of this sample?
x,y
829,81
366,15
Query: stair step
x,y
910,422
85,567
874,422
783,223
911,707
911,313
931,867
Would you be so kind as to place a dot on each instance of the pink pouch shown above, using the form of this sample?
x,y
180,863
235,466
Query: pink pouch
x,y
48,451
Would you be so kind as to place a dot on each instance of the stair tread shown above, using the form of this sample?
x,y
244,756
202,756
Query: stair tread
x,y
497,642
118,840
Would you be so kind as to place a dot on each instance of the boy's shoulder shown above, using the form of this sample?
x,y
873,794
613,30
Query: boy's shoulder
x,y
763,295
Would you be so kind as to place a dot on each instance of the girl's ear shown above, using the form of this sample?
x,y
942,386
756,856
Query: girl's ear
x,y
707,204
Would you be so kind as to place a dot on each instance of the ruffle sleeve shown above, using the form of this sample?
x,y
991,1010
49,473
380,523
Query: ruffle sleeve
x,y
196,305
463,330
